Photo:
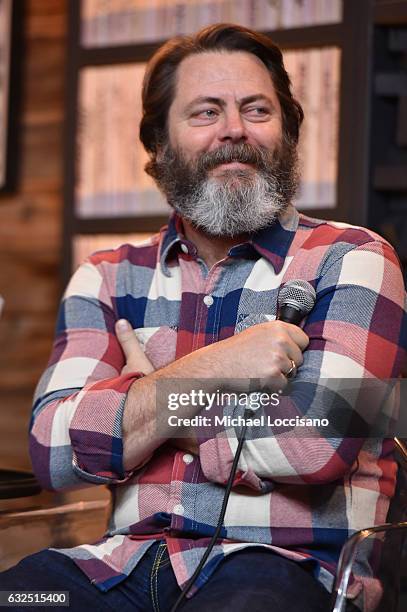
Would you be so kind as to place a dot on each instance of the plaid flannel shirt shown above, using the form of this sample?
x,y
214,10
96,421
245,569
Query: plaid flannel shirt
x,y
302,497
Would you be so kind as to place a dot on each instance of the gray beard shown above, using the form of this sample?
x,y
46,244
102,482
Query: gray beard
x,y
233,206
238,201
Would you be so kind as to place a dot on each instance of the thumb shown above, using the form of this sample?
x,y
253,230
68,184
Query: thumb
x,y
135,357
126,337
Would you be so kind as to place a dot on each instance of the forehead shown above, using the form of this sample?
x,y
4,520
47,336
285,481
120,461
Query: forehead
x,y
222,74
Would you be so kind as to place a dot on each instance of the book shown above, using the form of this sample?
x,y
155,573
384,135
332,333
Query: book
x,y
328,126
123,22
315,77
5,56
110,167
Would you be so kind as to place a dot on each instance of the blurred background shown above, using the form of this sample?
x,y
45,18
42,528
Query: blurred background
x,y
71,166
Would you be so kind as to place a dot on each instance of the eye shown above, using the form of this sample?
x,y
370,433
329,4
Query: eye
x,y
204,116
209,113
205,113
257,112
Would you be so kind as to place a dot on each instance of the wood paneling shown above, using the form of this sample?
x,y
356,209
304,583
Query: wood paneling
x,y
30,224
32,227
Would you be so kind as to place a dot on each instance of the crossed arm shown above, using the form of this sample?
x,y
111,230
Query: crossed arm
x,y
136,361
93,423
278,342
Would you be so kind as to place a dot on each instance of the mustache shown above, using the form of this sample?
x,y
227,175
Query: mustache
x,y
243,153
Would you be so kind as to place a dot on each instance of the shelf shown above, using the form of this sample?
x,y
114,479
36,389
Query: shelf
x,y
390,178
311,36
391,84
351,36
293,38
128,225
390,13
398,40
118,225
401,138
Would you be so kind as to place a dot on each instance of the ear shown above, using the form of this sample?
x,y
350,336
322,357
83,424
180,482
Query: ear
x,y
159,153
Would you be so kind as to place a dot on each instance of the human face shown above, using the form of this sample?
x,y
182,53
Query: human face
x,y
225,167
223,98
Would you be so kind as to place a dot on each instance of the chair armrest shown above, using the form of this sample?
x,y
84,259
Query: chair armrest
x,y
17,483
347,558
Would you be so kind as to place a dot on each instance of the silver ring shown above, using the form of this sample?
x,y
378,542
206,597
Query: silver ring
x,y
292,372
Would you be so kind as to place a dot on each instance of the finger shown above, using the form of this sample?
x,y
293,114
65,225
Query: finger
x,y
135,357
278,382
290,369
295,354
298,336
295,333
127,339
285,363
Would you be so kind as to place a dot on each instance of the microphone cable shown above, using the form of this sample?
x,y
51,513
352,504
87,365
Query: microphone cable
x,y
219,525
296,299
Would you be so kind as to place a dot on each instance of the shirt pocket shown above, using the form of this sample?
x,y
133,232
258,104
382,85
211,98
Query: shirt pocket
x,y
158,343
253,319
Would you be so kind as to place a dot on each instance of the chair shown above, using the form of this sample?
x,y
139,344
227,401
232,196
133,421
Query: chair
x,y
32,519
390,567
17,483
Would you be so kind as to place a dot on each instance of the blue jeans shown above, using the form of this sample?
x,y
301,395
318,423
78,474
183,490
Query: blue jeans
x,y
253,579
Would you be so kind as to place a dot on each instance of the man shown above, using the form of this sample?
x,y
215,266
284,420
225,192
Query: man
x,y
221,127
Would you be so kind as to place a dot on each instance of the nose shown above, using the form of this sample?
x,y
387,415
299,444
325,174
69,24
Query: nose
x,y
232,128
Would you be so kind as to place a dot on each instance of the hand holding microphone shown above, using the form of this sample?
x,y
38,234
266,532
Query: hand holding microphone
x,y
268,350
295,300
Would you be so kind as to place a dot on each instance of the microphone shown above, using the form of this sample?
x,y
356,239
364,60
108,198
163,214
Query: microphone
x,y
295,300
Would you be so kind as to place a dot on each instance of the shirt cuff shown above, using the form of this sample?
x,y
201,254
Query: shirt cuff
x,y
96,430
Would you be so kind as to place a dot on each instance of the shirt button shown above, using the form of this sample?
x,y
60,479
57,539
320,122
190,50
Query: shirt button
x,y
208,300
184,248
179,509
187,458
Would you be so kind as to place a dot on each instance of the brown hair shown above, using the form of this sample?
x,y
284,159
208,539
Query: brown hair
x,y
160,77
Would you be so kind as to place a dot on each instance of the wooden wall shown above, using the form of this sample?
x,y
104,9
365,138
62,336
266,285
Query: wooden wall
x,y
30,225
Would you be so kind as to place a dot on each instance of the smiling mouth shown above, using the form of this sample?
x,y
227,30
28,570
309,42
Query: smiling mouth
x,y
233,165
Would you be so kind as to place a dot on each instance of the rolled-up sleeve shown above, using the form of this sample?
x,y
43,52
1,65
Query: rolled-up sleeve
x,y
76,424
357,333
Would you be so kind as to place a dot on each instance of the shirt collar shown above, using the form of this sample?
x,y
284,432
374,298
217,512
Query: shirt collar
x,y
172,237
272,242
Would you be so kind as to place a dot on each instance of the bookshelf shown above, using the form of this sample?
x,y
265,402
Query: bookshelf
x,y
327,44
388,126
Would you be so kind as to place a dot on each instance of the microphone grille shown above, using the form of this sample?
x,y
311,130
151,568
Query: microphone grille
x,y
298,293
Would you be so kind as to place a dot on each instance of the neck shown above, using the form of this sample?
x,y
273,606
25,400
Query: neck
x,y
211,248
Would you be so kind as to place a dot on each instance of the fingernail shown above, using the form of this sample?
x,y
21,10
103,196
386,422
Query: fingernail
x,y
123,325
